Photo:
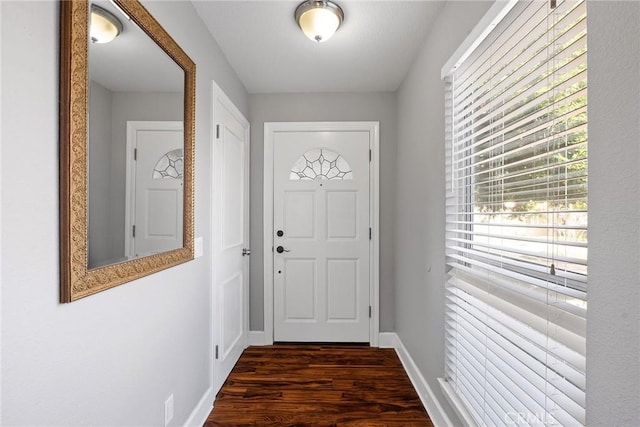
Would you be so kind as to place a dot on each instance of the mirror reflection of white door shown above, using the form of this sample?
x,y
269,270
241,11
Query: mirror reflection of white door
x,y
155,187
321,236
230,236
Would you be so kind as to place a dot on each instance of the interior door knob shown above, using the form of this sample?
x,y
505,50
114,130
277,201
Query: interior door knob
x,y
280,249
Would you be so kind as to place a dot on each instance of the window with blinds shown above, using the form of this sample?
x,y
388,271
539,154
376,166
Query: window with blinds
x,y
516,219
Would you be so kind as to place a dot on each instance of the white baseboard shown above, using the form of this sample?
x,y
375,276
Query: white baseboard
x,y
257,338
388,340
201,412
433,407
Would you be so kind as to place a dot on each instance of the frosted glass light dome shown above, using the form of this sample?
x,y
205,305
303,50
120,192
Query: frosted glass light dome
x,y
104,26
319,20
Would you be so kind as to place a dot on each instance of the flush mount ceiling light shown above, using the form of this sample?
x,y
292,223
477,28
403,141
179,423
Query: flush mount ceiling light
x,y
318,20
104,25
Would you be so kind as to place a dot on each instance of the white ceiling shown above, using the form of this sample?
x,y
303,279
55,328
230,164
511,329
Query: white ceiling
x,y
132,62
371,52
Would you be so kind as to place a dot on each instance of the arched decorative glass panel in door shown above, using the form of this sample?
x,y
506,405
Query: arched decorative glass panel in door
x,y
171,165
320,164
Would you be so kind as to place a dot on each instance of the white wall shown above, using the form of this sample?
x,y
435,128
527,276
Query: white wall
x,y
112,358
325,107
613,317
613,335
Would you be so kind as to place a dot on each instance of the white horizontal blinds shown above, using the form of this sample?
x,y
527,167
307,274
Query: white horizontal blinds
x,y
517,219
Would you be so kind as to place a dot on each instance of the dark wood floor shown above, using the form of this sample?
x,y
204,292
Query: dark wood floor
x,y
287,385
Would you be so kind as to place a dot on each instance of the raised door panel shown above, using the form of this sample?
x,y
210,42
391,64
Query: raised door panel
x,y
233,176
233,313
162,213
300,289
299,214
342,289
342,214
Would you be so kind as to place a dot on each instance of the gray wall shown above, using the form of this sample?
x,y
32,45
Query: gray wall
x,y
112,358
419,220
325,107
613,335
100,100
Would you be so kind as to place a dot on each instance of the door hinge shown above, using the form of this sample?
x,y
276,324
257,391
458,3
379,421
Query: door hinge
x,y
217,131
369,312
134,231
369,233
370,155
216,352
135,154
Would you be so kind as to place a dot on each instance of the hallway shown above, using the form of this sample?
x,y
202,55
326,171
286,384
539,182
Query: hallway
x,y
142,353
326,385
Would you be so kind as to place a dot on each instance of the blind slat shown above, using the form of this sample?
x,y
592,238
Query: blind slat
x,y
534,347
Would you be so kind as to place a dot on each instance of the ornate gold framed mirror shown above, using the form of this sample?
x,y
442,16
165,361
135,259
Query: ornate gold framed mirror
x,y
127,129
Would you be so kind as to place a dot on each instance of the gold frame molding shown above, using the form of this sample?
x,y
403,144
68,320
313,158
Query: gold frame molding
x,y
77,281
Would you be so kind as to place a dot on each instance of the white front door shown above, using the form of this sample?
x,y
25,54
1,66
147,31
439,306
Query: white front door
x,y
321,225
155,207
230,236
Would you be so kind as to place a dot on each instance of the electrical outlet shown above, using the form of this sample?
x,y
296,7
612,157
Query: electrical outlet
x,y
168,410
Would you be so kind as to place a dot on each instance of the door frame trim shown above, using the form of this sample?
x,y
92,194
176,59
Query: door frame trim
x,y
218,95
270,128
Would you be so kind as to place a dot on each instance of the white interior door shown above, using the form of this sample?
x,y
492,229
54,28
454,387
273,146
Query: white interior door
x,y
155,212
321,236
231,236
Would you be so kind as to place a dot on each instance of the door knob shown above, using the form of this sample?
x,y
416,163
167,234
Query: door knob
x,y
246,252
280,249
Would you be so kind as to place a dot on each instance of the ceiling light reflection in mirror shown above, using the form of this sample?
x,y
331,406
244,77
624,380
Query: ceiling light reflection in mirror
x,y
104,26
